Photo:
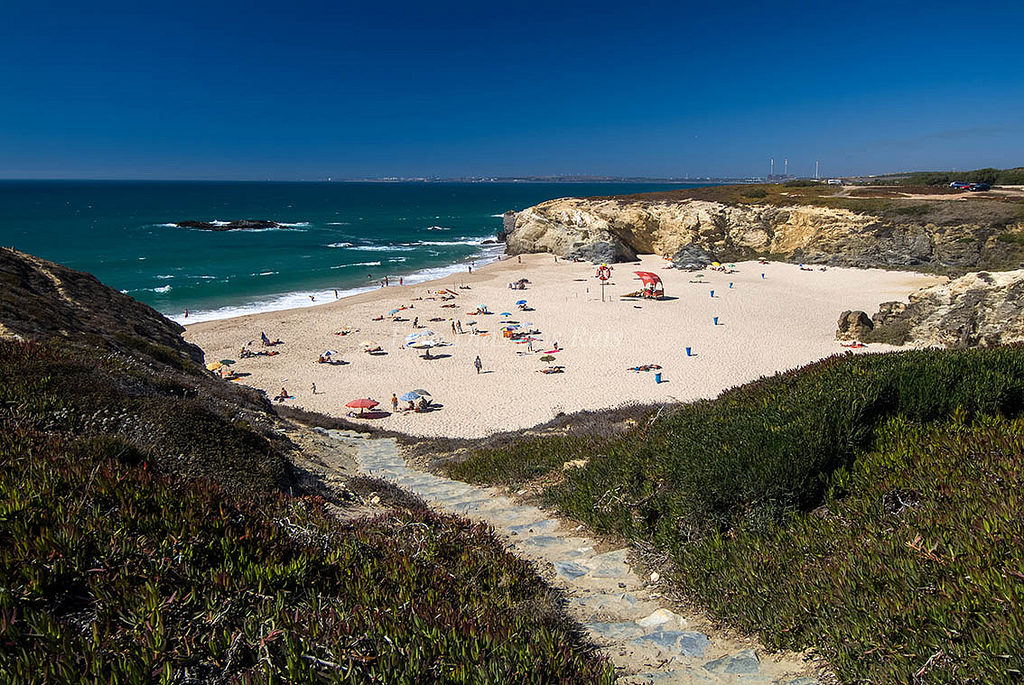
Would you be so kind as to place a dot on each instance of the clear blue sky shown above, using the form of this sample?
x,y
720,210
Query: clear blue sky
x,y
302,89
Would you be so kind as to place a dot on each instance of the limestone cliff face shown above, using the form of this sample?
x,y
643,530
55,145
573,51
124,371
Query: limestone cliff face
x,y
976,310
818,234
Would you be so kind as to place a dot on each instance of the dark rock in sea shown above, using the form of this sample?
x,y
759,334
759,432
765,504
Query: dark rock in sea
x,y
242,224
692,258
853,325
489,242
603,253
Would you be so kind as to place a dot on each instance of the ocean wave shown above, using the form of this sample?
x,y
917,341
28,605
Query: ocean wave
x,y
161,289
164,277
339,223
438,228
295,300
345,266
265,273
397,259
340,244
404,247
444,243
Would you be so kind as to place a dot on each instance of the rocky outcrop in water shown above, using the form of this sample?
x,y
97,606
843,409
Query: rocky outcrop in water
x,y
241,225
977,310
735,231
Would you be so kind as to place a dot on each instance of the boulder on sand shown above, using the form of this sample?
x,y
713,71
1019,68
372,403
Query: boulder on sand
x,y
854,325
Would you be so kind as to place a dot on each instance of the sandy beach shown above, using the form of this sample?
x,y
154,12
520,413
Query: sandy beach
x,y
784,319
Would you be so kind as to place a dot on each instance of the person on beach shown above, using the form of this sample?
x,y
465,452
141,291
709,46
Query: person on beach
x,y
312,386
401,280
520,258
470,269
394,403
415,322
478,364
186,313
453,327
335,293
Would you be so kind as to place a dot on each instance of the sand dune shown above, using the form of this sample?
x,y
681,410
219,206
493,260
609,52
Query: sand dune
x,y
786,319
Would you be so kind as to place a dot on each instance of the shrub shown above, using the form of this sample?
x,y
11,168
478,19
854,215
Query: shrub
x,y
732,490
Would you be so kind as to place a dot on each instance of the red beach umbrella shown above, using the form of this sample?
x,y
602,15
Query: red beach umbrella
x,y
365,403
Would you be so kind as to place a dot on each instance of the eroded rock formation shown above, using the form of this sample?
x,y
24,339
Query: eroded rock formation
x,y
573,227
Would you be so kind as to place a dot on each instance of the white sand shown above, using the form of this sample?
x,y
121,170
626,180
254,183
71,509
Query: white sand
x,y
784,320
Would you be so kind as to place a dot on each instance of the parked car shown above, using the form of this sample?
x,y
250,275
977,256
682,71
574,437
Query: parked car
x,y
960,185
978,187
835,181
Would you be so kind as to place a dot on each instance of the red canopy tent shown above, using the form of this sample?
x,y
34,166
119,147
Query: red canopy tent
x,y
653,286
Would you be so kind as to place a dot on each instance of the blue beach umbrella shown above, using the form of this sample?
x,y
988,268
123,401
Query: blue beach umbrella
x,y
521,302
506,313
410,396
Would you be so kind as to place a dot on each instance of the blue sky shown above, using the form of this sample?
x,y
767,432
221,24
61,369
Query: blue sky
x,y
301,89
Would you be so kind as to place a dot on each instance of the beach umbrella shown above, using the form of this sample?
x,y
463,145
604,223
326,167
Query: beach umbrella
x,y
328,353
227,362
361,404
425,344
393,312
214,366
521,303
369,343
506,313
421,391
547,358
410,396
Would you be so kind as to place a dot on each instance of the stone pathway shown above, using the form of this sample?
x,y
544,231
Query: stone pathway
x,y
647,642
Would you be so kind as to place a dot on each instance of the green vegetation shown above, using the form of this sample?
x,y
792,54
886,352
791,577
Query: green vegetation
x,y
1008,177
866,505
111,574
153,528
113,571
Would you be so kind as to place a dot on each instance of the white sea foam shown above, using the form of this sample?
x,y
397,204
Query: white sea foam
x,y
397,259
339,244
339,223
164,276
167,225
266,273
438,228
345,266
295,300
384,248
297,224
161,289
443,243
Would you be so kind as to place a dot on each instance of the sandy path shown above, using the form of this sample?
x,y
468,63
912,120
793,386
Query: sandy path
x,y
785,319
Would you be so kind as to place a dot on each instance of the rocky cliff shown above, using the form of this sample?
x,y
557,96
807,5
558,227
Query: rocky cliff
x,y
864,233
977,310
80,359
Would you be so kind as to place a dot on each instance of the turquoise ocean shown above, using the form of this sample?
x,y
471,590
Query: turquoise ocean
x,y
338,236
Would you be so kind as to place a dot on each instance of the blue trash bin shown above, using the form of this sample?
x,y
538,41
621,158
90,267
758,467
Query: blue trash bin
x,y
657,377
